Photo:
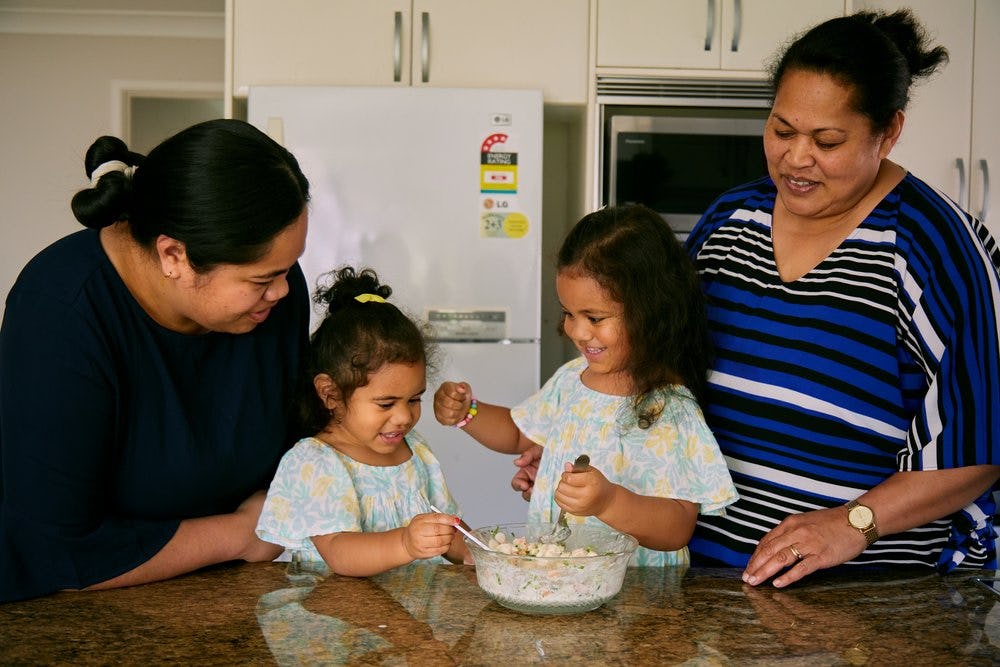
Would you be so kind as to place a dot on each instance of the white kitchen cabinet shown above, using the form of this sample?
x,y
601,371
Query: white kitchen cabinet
x,y
702,34
444,43
985,146
949,137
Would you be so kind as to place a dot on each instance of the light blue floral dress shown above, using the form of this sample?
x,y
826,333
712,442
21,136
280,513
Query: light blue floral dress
x,y
677,457
319,491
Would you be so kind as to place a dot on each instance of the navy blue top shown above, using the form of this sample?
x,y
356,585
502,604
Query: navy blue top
x,y
113,428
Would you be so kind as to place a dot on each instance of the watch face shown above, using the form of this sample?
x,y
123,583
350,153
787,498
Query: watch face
x,y
860,517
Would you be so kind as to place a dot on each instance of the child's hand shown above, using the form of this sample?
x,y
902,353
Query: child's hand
x,y
451,402
428,535
586,493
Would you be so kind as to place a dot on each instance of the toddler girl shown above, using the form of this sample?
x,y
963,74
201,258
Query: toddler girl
x,y
633,307
357,495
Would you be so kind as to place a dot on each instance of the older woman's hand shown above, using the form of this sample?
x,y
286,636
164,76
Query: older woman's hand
x,y
527,463
802,544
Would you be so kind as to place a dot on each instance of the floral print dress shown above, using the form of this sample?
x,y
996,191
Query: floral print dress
x,y
677,457
319,491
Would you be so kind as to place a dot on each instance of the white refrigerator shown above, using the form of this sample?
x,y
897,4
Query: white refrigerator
x,y
440,191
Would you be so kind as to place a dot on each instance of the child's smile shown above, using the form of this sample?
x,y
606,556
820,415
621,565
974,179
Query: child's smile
x,y
593,321
379,414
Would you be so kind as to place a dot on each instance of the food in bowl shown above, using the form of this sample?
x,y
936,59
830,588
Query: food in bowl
x,y
525,574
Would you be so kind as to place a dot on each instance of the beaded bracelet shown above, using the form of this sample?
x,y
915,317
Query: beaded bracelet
x,y
473,410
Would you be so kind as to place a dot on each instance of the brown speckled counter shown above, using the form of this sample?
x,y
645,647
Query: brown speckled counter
x,y
436,615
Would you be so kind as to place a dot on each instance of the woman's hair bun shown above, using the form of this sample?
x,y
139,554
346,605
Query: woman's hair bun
x,y
912,40
107,201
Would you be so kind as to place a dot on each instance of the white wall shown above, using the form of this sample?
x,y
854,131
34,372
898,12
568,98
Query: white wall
x,y
55,99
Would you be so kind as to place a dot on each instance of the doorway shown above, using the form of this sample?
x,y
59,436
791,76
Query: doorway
x,y
149,112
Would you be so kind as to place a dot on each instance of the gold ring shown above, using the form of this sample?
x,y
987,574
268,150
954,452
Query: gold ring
x,y
795,552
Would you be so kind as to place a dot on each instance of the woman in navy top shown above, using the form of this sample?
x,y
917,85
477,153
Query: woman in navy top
x,y
148,364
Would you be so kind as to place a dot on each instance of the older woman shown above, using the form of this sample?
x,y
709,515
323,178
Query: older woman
x,y
148,363
855,313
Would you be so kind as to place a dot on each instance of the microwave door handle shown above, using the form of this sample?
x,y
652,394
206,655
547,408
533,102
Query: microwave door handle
x,y
710,27
737,24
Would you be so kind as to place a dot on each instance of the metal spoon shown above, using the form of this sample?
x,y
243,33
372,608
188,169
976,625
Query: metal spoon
x,y
561,530
462,530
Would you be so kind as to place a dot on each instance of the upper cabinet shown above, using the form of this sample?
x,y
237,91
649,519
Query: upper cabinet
x,y
702,34
949,137
985,146
444,43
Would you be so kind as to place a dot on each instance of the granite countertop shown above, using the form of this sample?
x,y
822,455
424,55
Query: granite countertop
x,y
426,614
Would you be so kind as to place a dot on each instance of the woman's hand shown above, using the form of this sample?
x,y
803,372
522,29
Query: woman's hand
x,y
823,538
429,535
584,493
255,549
451,402
527,463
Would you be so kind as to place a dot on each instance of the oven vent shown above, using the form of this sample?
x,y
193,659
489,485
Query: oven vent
x,y
753,92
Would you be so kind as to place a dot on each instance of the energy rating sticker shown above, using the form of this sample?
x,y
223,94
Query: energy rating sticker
x,y
497,169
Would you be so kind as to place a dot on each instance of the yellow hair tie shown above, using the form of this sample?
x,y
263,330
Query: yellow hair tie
x,y
365,298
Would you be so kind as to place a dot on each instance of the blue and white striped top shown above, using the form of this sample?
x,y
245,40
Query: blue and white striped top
x,y
885,357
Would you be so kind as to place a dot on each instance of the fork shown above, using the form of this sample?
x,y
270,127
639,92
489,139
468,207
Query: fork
x,y
561,530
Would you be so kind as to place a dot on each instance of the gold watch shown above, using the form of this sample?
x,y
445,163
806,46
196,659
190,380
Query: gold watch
x,y
861,517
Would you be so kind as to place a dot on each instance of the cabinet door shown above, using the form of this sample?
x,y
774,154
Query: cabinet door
x,y
513,44
985,107
315,42
937,131
652,33
753,31
702,34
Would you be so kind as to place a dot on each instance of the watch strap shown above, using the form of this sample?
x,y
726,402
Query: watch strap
x,y
870,532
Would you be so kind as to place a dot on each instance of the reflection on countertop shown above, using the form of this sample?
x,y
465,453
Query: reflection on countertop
x,y
426,614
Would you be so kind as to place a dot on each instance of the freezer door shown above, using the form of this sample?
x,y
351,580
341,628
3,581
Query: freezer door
x,y
479,478
439,190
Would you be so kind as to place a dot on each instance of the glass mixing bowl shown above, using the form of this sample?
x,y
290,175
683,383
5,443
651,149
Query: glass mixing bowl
x,y
561,584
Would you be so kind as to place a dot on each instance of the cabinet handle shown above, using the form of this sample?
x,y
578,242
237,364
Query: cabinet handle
x,y
985,210
963,195
737,24
710,27
425,46
397,48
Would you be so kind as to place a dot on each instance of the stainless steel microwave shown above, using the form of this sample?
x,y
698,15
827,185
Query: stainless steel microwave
x,y
677,160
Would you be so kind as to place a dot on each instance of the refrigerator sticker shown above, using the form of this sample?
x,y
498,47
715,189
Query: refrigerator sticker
x,y
497,168
503,225
499,218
